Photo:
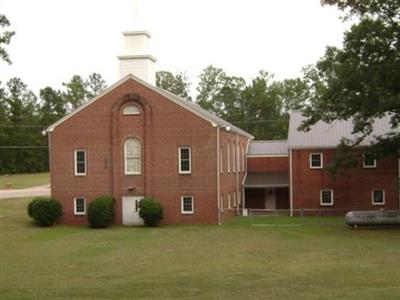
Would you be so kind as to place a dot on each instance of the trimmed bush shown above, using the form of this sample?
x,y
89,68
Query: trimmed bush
x,y
101,212
150,211
45,211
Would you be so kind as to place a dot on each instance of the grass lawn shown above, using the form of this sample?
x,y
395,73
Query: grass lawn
x,y
235,261
21,181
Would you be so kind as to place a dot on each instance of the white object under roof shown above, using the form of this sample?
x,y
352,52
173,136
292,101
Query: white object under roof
x,y
325,135
190,106
268,148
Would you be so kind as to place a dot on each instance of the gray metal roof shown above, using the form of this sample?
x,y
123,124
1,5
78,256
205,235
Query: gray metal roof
x,y
280,179
326,135
268,148
190,106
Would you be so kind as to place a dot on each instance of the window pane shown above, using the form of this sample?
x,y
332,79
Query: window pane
x,y
185,165
326,197
369,160
187,204
80,156
132,156
80,167
80,205
184,153
316,160
378,196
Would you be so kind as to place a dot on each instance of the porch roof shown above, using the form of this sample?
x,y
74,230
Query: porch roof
x,y
266,180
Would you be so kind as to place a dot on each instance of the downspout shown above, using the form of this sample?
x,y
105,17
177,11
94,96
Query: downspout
x,y
245,175
291,181
51,173
218,179
237,172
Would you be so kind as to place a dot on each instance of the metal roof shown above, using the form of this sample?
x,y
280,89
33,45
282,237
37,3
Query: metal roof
x,y
280,179
325,135
190,106
268,148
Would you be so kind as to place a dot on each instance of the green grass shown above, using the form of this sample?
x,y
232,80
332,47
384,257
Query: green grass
x,y
234,261
21,181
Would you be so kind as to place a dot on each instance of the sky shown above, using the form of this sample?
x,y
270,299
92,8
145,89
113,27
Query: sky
x,y
56,39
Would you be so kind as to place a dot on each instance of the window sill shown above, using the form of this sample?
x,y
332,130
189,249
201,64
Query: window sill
x,y
187,213
378,204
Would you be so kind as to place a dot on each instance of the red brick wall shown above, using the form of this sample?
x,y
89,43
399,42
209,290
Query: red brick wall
x,y
268,164
351,191
162,127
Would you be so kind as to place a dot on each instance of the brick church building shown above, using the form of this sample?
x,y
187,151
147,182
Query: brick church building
x,y
136,140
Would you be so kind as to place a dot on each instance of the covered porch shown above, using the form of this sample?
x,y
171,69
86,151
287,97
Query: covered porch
x,y
267,191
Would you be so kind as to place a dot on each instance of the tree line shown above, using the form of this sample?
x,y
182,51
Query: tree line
x,y
359,81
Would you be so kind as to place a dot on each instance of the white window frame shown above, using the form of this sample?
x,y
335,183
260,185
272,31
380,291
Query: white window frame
x,y
322,160
221,203
228,157
79,213
76,162
332,197
126,111
373,198
229,201
180,160
126,158
368,166
184,212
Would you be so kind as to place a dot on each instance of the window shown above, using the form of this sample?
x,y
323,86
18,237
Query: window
x,y
131,110
132,157
229,201
238,159
378,197
185,157
228,157
187,205
326,197
79,206
316,161
234,199
239,198
220,160
234,157
222,203
80,162
369,161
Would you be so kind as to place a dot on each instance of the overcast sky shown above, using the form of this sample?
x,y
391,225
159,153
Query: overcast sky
x,y
57,39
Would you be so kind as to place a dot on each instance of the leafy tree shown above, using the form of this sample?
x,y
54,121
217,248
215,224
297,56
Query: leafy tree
x,y
5,38
79,90
212,80
76,92
52,107
95,85
177,84
360,81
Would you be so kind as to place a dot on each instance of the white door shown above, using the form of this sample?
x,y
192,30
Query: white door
x,y
130,211
270,200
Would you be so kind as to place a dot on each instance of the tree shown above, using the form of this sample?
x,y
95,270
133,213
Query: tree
x,y
52,106
95,85
360,81
5,38
79,90
177,84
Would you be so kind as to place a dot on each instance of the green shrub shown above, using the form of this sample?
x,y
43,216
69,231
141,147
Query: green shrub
x,y
45,211
30,205
150,211
101,212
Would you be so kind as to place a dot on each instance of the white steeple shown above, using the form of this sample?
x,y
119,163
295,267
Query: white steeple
x,y
136,58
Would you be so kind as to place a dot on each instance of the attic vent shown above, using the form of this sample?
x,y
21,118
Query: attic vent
x,y
131,110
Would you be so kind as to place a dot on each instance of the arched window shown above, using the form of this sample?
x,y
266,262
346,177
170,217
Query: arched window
x,y
131,109
132,157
